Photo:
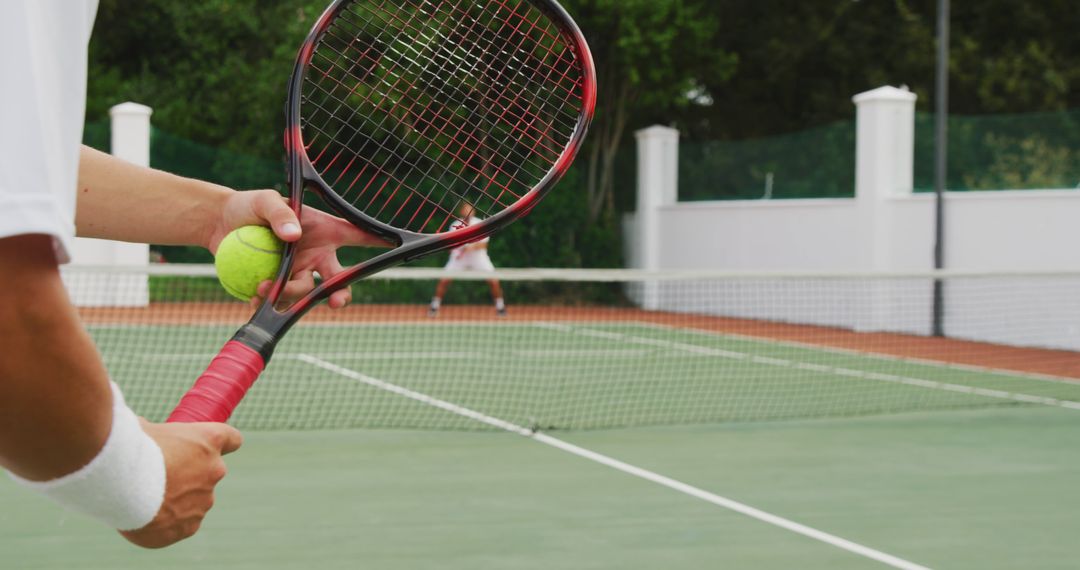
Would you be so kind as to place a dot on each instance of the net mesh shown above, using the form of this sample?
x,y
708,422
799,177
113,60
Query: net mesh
x,y
412,109
602,349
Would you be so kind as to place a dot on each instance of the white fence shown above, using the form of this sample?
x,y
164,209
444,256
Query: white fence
x,y
884,228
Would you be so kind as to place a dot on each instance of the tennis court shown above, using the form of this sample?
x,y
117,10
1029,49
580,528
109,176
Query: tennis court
x,y
973,489
562,375
597,437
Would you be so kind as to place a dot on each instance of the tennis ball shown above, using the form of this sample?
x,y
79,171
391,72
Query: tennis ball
x,y
246,257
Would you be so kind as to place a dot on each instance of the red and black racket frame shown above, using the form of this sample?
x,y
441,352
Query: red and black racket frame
x,y
242,359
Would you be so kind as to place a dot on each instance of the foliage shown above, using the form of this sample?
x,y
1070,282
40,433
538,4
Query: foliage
x,y
1004,151
213,70
800,62
652,56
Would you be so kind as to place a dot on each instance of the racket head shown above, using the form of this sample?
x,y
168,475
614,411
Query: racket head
x,y
498,97
401,112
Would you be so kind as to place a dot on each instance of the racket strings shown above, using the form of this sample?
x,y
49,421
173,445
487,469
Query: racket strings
x,y
442,69
413,108
473,138
394,152
540,85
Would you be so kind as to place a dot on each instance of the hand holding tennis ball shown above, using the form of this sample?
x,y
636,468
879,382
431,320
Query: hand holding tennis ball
x,y
246,257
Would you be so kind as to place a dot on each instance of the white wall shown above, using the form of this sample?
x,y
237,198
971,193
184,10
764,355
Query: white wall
x,y
1011,230
884,228
1034,230
759,235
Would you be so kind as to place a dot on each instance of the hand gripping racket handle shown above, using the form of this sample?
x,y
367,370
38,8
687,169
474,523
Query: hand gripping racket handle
x,y
219,390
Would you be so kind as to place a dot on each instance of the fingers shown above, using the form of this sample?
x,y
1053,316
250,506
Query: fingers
x,y
269,206
353,235
194,466
328,268
339,299
224,437
338,231
309,260
303,282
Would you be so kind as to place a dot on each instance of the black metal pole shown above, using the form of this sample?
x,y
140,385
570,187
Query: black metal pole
x,y
941,156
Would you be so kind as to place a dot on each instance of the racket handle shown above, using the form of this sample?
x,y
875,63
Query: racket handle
x,y
219,390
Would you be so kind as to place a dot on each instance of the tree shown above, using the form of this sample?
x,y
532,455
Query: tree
x,y
800,62
213,70
652,57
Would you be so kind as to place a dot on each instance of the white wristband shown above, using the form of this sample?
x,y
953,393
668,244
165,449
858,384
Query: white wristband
x,y
124,485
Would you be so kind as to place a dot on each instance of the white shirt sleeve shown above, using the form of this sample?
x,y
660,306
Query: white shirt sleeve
x,y
43,53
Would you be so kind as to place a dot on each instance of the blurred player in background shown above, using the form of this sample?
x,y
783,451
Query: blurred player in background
x,y
469,257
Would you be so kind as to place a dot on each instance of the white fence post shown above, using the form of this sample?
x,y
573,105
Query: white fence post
x,y
130,126
131,132
658,186
884,159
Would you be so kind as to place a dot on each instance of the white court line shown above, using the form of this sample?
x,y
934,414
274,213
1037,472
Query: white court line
x,y
395,355
850,372
585,352
867,354
627,468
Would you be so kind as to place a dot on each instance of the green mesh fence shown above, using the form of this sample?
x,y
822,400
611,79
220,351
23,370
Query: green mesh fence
x,y
96,134
986,152
815,163
1002,152
186,158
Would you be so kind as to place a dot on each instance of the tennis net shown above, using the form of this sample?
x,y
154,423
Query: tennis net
x,y
584,349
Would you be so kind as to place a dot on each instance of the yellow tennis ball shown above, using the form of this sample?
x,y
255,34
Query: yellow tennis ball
x,y
246,257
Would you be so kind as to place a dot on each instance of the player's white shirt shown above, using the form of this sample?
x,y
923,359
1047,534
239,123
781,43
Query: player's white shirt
x,y
43,53
476,259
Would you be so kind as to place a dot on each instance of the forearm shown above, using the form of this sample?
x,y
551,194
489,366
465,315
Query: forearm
x,y
121,201
55,401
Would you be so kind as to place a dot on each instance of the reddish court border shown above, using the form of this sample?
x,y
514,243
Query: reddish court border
x,y
1059,363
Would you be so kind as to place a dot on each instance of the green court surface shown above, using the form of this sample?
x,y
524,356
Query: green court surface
x,y
974,489
375,446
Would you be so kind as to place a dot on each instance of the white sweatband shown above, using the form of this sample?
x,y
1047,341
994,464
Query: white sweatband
x,y
124,485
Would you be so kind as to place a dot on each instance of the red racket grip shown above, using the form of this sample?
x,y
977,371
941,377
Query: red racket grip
x,y
219,390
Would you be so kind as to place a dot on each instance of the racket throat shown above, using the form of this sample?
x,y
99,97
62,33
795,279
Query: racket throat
x,y
257,338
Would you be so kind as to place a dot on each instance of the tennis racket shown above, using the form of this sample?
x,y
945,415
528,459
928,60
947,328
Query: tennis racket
x,y
399,112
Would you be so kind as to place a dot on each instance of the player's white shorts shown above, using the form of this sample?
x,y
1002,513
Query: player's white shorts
x,y
471,261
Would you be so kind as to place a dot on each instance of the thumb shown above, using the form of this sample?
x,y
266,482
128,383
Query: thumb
x,y
271,207
224,437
